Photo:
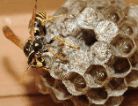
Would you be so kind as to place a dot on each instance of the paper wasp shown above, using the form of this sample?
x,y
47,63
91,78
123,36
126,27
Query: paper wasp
x,y
36,46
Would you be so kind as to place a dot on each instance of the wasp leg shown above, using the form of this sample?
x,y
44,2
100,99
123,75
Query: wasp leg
x,y
65,42
9,34
50,18
61,56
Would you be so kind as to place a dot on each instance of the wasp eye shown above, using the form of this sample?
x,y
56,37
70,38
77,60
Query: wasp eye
x,y
37,45
27,48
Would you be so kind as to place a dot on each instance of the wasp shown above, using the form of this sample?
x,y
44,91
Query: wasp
x,y
36,46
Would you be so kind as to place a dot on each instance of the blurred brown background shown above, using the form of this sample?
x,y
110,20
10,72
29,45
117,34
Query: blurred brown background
x,y
17,89
14,91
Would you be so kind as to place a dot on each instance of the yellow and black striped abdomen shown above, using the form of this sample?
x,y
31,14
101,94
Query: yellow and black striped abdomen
x,y
39,24
41,16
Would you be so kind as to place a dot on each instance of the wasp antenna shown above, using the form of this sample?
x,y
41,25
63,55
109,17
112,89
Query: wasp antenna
x,y
9,34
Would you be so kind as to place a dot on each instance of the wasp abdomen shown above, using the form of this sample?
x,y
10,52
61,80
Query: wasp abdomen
x,y
39,25
39,29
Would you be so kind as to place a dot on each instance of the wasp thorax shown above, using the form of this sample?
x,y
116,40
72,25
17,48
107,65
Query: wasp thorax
x,y
28,48
33,46
33,50
37,45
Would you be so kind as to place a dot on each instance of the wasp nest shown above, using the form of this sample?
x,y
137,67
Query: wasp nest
x,y
105,65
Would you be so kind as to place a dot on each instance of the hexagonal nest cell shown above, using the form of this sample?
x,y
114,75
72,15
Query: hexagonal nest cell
x,y
101,46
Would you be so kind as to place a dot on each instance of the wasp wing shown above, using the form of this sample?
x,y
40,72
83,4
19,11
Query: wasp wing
x,y
9,34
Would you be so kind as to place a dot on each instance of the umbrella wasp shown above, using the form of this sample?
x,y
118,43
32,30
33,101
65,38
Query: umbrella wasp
x,y
36,46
